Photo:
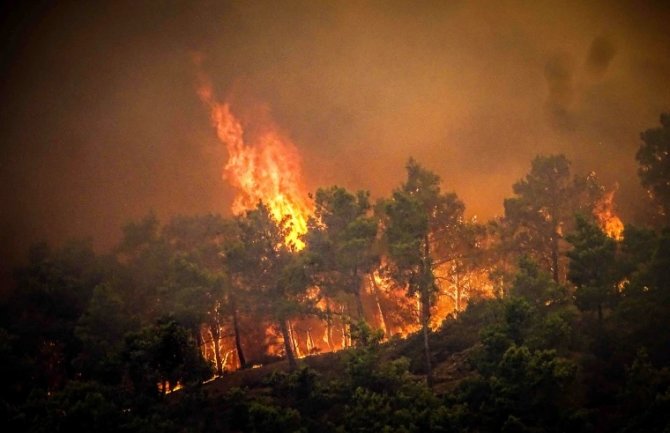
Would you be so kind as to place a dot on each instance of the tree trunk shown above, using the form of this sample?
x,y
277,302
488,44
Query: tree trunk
x,y
382,316
359,306
425,288
198,337
554,257
458,301
216,334
457,306
236,330
356,288
329,326
425,320
310,342
600,313
287,344
344,328
200,342
294,339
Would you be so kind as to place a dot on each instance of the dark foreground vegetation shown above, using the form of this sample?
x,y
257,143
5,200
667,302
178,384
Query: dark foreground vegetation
x,y
572,334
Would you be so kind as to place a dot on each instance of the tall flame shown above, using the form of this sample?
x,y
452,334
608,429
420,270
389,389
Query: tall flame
x,y
609,222
266,169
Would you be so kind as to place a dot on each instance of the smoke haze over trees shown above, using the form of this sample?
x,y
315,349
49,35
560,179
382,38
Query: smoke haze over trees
x,y
206,225
101,340
101,124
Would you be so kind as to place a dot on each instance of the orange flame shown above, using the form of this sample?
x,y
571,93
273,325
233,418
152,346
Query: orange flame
x,y
609,222
267,169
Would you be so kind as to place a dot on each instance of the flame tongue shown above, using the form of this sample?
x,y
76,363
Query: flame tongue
x,y
609,222
267,169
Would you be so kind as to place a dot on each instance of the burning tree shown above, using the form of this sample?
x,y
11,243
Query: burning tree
x,y
199,279
417,215
341,240
543,210
269,270
462,269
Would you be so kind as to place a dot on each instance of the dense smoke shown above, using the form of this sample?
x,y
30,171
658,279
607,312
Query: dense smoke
x,y
101,121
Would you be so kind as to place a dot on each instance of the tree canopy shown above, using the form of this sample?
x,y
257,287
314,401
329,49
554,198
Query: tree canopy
x,y
209,323
654,159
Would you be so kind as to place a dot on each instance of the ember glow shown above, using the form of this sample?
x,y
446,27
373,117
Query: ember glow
x,y
267,169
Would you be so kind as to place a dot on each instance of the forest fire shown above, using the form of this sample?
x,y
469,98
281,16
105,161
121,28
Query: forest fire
x,y
609,222
266,169
335,216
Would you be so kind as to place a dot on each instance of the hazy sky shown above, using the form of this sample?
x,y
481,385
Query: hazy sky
x,y
100,122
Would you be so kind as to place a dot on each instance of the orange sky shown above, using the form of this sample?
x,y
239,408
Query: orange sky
x,y
100,121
